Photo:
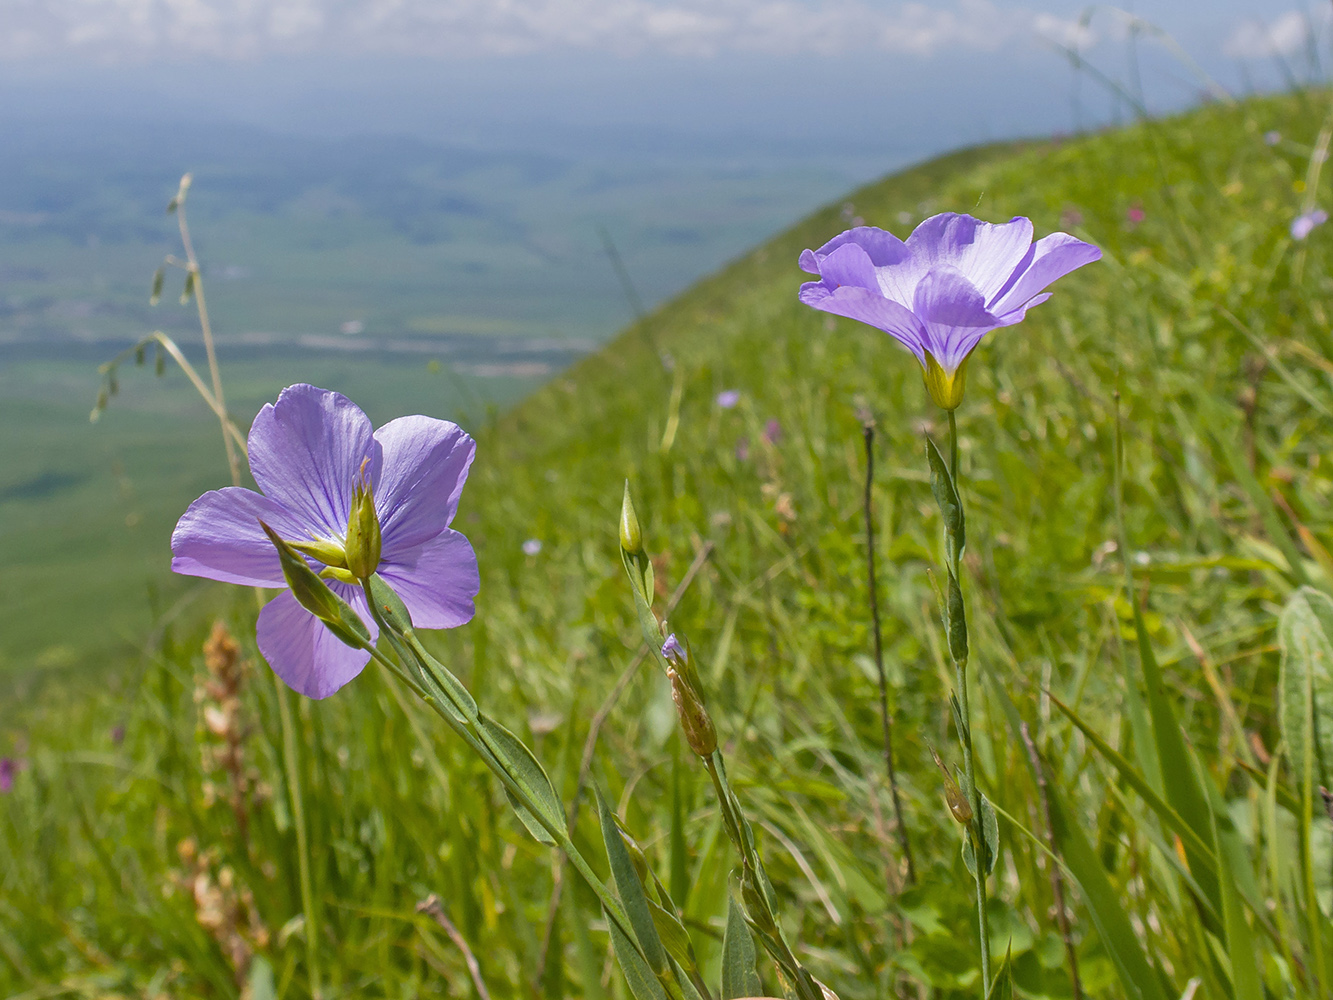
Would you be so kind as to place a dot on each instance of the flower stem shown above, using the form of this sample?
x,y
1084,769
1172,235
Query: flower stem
x,y
492,757
975,831
756,893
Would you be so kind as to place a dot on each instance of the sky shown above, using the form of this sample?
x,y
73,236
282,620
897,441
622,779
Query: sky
x,y
859,83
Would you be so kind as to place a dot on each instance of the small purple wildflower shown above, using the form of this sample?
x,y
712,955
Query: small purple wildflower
x,y
728,398
532,546
1136,214
742,449
954,280
1303,225
8,767
308,453
1272,138
672,650
772,431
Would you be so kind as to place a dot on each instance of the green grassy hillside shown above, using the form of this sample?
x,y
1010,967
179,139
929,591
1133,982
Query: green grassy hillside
x,y
1205,318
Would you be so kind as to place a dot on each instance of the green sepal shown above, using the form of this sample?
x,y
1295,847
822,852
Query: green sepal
x,y
630,889
315,596
990,831
739,977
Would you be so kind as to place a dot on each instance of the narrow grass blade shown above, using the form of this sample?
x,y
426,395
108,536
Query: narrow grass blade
x,y
1002,986
1104,904
642,983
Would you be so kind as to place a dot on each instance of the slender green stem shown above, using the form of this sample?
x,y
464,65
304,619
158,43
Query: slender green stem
x,y
975,830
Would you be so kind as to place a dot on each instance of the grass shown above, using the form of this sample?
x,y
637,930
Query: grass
x,y
1207,322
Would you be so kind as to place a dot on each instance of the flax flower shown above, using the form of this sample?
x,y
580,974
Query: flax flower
x,y
312,453
954,280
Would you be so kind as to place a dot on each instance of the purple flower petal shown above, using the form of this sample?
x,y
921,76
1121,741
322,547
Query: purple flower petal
x,y
869,307
955,314
306,452
425,464
309,658
1052,258
7,769
219,537
883,248
437,581
985,254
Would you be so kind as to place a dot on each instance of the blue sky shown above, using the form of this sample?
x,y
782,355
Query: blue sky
x,y
858,84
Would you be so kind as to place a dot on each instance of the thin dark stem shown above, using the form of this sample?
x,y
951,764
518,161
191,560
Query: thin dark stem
x,y
868,429
432,908
1057,879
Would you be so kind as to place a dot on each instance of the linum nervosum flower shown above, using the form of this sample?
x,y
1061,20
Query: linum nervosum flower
x,y
351,501
954,280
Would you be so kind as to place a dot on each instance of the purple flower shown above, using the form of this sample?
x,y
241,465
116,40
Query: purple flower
x,y
1136,214
728,398
532,546
8,767
1272,138
954,280
308,454
1303,225
772,431
672,650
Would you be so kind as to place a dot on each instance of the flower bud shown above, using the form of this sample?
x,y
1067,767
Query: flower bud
x,y
363,533
631,536
959,807
945,387
695,721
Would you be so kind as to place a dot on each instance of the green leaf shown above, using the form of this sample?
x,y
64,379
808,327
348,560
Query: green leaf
x,y
1002,986
675,938
529,775
1305,634
630,889
739,978
529,821
957,622
990,830
946,495
642,983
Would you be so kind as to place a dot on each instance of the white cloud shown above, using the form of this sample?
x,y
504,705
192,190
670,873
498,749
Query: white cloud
x,y
120,29
1282,37
1067,33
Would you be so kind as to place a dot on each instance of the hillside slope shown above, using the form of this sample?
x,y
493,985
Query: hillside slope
x,y
1206,319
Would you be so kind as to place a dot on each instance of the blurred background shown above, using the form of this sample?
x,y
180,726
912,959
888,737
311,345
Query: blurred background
x,y
435,205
